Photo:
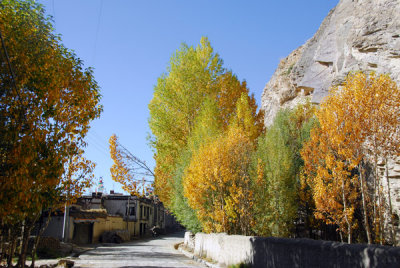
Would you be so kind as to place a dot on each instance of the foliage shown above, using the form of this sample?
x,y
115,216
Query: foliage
x,y
246,117
193,103
358,121
177,97
217,184
276,171
78,176
209,133
47,101
334,188
127,168
182,211
206,128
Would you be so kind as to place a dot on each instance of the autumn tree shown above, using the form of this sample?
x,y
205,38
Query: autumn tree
x,y
378,115
195,83
131,172
229,91
334,187
207,127
217,184
77,177
219,170
359,124
47,101
177,97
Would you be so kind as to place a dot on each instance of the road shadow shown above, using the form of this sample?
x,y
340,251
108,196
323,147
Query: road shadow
x,y
180,234
116,254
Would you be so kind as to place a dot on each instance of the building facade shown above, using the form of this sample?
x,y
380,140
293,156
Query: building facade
x,y
92,216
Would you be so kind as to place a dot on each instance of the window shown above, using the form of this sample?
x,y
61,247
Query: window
x,y
132,211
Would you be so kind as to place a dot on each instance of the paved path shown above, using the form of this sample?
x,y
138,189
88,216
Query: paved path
x,y
157,252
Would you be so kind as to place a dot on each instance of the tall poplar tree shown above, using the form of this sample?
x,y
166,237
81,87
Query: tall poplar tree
x,y
190,78
276,171
195,76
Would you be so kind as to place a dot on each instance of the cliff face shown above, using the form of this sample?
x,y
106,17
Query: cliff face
x,y
356,35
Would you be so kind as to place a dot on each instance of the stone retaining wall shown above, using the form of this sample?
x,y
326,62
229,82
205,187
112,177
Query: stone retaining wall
x,y
282,252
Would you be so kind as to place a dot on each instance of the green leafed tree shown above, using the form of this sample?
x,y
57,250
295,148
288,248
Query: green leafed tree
x,y
276,171
206,128
190,78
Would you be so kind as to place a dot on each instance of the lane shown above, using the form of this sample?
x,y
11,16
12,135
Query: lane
x,y
144,253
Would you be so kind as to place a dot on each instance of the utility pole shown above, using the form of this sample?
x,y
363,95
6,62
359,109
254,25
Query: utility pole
x,y
65,224
129,212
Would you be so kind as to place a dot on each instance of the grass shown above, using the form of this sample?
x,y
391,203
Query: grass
x,y
289,70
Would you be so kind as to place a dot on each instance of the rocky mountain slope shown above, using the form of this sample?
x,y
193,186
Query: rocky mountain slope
x,y
356,35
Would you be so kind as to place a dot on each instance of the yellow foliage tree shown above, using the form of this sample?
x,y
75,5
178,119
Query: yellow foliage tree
x,y
359,121
217,184
47,102
334,189
127,168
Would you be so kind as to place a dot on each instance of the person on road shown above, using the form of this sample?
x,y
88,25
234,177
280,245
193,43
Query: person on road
x,y
155,231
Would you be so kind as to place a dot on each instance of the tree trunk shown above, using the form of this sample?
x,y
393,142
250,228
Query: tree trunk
x,y
2,241
11,248
364,203
27,228
345,214
380,212
37,238
375,191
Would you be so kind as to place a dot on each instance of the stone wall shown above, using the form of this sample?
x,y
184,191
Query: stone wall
x,y
283,252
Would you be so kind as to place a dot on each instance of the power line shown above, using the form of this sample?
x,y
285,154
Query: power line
x,y
97,31
98,141
98,147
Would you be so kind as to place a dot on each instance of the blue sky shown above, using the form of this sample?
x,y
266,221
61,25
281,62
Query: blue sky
x,y
129,44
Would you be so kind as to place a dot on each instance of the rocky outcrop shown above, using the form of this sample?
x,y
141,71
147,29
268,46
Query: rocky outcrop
x,y
356,35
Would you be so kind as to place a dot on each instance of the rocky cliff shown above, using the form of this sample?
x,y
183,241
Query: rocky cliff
x,y
356,35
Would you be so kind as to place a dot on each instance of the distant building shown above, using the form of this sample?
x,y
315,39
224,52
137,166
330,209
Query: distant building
x,y
92,215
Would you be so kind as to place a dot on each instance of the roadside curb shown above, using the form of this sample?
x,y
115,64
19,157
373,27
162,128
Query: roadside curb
x,y
196,258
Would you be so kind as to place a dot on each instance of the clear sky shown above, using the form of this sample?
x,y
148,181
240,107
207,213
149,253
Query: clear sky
x,y
129,44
